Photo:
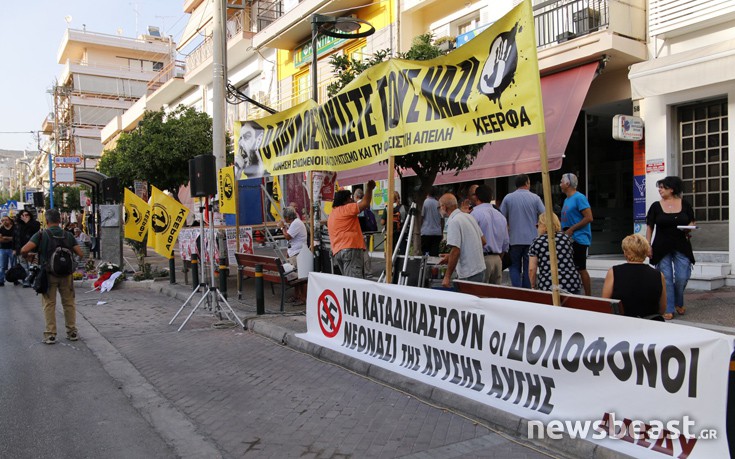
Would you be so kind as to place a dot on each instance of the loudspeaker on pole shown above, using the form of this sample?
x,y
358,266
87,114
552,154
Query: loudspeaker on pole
x,y
38,199
111,189
202,176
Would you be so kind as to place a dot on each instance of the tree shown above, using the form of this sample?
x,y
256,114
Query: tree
x,y
158,150
427,165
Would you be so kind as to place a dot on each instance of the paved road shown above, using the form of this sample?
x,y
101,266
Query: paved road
x,y
58,401
256,398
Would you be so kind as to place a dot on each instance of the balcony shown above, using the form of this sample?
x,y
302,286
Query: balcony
x,y
240,30
572,32
75,42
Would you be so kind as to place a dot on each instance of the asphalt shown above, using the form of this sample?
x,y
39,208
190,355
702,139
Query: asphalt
x,y
138,307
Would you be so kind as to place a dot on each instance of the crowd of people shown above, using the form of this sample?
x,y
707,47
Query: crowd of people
x,y
481,239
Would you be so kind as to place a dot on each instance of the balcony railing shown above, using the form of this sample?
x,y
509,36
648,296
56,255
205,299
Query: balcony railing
x,y
175,69
235,26
558,21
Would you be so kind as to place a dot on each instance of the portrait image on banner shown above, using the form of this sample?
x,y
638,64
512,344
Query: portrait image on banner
x,y
248,141
168,217
137,214
486,90
226,184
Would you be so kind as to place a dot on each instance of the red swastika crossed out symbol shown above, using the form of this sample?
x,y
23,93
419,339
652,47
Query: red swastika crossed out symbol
x,y
330,314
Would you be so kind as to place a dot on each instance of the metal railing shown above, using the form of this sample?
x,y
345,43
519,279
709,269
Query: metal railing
x,y
174,69
237,24
559,21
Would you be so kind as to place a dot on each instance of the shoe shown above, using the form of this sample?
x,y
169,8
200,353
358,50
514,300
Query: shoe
x,y
26,285
668,316
73,336
50,340
681,310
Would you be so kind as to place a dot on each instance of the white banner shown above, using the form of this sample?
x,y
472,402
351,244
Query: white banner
x,y
621,376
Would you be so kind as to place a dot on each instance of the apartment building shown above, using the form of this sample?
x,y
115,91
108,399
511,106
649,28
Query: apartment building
x,y
685,92
102,77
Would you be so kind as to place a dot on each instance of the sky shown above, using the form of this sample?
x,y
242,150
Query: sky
x,y
32,33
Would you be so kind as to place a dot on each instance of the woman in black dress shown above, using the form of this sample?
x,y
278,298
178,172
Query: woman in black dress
x,y
671,251
641,288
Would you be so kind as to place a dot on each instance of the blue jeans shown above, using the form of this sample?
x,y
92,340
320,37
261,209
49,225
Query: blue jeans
x,y
519,266
676,269
6,258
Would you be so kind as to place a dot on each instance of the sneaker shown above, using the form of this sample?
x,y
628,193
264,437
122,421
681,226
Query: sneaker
x,y
73,336
50,340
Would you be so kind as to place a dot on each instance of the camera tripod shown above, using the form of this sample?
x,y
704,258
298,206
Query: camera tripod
x,y
407,225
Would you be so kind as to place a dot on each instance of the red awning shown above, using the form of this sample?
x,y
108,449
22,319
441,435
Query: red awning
x,y
563,95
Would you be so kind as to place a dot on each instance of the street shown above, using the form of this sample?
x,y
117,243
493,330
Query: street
x,y
133,385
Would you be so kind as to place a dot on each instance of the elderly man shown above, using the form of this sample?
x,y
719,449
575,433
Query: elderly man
x,y
345,235
576,219
494,227
465,240
294,231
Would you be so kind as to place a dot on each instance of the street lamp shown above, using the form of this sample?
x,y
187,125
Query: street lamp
x,y
342,27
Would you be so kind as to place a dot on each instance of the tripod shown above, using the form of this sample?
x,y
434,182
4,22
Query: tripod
x,y
410,220
212,294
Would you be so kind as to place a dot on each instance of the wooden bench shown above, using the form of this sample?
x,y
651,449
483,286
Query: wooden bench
x,y
273,272
585,303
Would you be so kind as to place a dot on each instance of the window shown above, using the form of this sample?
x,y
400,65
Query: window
x,y
704,151
157,66
301,87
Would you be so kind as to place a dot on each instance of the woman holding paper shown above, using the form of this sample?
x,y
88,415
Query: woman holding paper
x,y
671,251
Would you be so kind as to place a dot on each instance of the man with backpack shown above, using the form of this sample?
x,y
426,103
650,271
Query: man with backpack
x,y
55,257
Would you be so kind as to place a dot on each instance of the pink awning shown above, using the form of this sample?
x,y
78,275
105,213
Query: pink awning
x,y
563,95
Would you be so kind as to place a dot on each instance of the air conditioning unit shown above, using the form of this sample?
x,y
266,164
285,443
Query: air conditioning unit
x,y
586,20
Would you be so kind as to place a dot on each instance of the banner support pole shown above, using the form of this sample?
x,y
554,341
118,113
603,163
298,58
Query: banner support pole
x,y
388,245
549,211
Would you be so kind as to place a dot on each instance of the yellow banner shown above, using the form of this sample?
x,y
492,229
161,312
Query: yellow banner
x,y
168,216
227,187
276,208
488,89
138,213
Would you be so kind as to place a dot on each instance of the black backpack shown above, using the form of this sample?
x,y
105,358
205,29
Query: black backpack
x,y
59,257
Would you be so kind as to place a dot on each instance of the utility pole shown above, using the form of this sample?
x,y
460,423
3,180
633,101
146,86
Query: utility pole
x,y
218,83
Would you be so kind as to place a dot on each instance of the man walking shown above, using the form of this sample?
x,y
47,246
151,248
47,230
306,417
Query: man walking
x,y
576,219
494,227
63,284
521,208
465,240
345,235
431,225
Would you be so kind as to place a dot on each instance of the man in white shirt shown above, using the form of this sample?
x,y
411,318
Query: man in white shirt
x,y
295,234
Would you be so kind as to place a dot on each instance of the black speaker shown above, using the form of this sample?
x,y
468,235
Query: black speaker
x,y
202,176
38,199
111,189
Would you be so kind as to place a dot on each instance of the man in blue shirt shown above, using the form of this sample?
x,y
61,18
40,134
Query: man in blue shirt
x,y
521,208
494,227
576,219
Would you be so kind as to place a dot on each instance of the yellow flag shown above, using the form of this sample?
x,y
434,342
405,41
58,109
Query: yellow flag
x,y
276,205
168,217
227,187
138,213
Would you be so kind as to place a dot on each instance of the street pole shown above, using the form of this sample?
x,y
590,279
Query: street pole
x,y
218,84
